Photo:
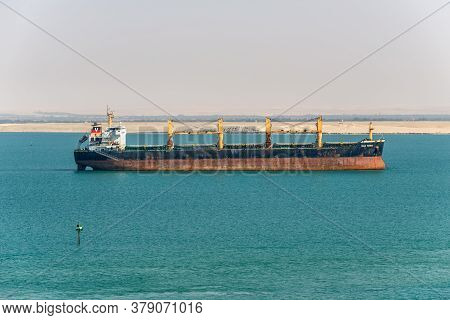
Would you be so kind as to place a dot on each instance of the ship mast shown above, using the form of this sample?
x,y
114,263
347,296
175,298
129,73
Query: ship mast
x,y
268,133
169,134
319,132
370,131
109,116
220,134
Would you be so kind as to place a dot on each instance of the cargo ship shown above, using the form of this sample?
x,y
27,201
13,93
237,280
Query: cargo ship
x,y
107,150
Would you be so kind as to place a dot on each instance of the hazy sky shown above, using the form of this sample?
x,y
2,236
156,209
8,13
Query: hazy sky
x,y
225,57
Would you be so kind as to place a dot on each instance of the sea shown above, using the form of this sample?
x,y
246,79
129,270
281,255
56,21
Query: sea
x,y
223,235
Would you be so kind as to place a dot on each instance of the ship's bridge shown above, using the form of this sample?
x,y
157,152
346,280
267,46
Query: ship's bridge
x,y
112,138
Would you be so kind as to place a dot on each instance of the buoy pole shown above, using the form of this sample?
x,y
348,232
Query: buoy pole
x,y
78,229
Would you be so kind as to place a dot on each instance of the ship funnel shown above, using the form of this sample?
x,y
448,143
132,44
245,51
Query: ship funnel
x,y
370,131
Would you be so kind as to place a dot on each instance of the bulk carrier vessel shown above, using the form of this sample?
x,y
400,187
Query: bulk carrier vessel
x,y
107,150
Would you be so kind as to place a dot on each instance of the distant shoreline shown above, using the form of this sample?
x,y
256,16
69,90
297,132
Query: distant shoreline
x,y
331,127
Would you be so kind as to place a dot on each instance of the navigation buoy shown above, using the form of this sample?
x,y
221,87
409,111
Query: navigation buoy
x,y
78,228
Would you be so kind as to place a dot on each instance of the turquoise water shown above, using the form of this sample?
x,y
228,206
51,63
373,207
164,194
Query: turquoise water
x,y
328,235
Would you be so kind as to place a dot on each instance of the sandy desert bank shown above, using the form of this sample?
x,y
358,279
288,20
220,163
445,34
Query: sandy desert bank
x,y
350,127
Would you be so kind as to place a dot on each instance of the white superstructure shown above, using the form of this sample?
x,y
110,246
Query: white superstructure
x,y
114,137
